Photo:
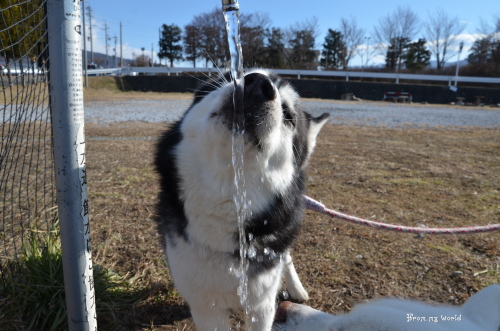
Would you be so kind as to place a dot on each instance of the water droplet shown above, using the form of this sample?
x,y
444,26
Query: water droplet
x,y
248,309
252,252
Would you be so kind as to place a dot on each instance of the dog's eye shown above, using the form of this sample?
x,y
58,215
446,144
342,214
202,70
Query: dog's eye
x,y
288,117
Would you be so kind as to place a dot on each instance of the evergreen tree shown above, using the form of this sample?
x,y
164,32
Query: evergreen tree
x,y
170,46
417,55
396,52
302,53
21,34
481,51
333,49
275,49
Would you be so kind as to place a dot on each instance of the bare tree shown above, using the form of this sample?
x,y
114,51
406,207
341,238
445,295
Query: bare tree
x,y
253,38
442,32
142,61
402,24
352,39
486,28
212,39
208,39
311,25
192,45
366,52
484,55
300,39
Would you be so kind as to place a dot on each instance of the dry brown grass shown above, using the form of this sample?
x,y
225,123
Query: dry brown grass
x,y
105,89
436,177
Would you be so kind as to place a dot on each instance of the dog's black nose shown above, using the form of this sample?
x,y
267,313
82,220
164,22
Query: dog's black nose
x,y
259,87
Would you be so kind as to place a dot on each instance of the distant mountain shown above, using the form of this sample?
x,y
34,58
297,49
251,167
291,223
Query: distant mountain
x,y
433,64
100,60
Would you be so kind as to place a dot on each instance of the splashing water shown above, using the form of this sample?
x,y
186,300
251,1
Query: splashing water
x,y
232,17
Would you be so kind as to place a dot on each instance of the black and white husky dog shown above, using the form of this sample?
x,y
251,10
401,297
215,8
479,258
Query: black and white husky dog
x,y
197,216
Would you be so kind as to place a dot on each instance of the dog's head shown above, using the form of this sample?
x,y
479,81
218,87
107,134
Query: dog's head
x,y
276,129
195,158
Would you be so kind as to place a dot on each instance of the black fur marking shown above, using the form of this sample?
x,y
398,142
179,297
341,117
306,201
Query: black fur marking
x,y
274,230
172,221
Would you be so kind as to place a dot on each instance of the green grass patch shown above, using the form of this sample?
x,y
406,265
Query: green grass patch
x,y
32,294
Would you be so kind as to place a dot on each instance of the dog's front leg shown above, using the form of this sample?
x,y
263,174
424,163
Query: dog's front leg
x,y
262,316
262,293
295,289
210,318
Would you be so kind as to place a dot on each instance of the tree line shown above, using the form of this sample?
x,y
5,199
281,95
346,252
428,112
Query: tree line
x,y
22,32
204,40
407,42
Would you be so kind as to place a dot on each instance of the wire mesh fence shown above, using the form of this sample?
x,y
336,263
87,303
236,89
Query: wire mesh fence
x,y
27,188
41,163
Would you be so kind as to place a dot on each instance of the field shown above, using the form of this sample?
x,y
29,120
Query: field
x,y
433,177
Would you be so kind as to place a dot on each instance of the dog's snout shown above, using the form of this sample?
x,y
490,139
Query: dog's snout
x,y
259,87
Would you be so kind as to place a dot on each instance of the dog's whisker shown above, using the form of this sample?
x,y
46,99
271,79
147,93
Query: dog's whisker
x,y
205,82
221,75
198,91
215,81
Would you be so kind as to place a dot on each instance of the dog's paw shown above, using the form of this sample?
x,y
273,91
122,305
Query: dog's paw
x,y
297,292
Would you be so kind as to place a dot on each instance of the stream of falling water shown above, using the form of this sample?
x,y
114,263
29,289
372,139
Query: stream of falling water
x,y
232,17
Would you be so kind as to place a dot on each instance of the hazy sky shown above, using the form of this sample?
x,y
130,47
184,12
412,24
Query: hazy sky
x,y
142,19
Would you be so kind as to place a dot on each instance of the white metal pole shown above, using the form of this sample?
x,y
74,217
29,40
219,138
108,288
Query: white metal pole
x,y
121,48
106,37
66,104
458,62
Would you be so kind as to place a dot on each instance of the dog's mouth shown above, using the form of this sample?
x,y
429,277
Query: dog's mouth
x,y
259,107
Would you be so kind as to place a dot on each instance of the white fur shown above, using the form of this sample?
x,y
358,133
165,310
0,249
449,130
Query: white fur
x,y
294,286
201,267
480,312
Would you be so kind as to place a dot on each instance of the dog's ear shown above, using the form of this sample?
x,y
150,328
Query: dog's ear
x,y
315,125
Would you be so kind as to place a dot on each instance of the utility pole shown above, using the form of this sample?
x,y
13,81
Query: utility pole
x,y
121,47
106,37
159,43
114,49
152,58
90,35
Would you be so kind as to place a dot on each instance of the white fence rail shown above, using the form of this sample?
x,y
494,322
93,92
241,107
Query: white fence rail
x,y
302,73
